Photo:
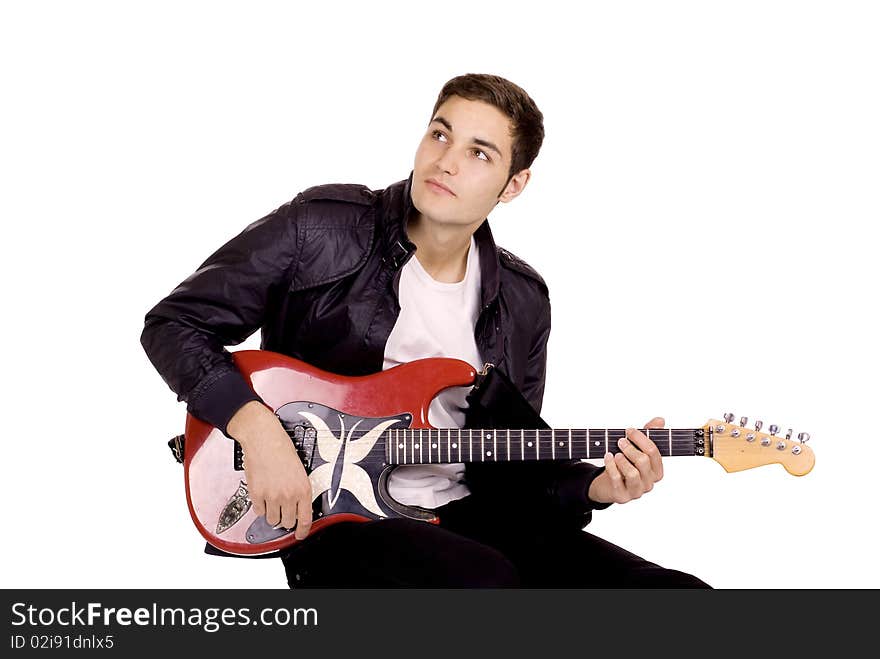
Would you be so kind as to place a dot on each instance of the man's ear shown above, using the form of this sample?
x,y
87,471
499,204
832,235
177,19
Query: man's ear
x,y
515,185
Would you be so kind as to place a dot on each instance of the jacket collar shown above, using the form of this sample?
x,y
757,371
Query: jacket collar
x,y
395,207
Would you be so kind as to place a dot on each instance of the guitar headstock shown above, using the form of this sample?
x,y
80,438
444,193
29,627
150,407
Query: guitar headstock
x,y
737,447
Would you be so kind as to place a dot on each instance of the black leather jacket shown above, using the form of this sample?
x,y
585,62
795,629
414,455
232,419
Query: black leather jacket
x,y
319,277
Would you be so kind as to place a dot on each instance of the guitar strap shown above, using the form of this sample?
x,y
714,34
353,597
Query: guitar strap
x,y
176,446
515,491
495,402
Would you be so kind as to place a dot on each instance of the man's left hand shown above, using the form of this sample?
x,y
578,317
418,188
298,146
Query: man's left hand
x,y
633,471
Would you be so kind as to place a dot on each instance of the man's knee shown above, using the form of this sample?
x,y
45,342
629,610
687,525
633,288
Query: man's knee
x,y
659,577
493,570
686,580
447,559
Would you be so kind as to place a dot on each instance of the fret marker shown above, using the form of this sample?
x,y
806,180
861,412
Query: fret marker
x,y
417,446
455,446
488,452
530,445
561,444
489,436
597,443
433,446
400,445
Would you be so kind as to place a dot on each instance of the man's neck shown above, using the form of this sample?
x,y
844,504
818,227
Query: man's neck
x,y
442,249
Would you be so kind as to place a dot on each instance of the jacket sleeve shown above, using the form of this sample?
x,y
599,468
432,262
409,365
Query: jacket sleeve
x,y
548,494
221,304
566,481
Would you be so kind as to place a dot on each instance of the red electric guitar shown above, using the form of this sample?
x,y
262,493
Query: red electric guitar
x,y
350,432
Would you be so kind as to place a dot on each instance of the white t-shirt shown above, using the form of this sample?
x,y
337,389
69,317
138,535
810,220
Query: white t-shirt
x,y
436,319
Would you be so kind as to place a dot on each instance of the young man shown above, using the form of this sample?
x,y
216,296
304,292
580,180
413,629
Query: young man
x,y
355,281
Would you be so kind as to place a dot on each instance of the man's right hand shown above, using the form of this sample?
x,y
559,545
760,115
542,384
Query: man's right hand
x,y
278,484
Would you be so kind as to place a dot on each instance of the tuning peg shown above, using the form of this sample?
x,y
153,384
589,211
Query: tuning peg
x,y
788,434
743,421
728,417
758,424
804,437
774,429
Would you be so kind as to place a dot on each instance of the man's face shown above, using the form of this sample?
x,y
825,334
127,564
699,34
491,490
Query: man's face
x,y
467,148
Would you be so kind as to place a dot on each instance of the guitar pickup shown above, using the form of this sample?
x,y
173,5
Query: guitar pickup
x,y
304,438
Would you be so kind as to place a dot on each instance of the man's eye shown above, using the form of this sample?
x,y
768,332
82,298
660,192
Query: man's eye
x,y
437,132
478,152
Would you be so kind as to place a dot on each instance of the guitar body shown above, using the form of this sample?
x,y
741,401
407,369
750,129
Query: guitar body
x,y
329,418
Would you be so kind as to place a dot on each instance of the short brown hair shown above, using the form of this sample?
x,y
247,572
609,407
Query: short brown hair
x,y
513,101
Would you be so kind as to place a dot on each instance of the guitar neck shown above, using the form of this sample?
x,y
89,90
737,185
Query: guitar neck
x,y
423,446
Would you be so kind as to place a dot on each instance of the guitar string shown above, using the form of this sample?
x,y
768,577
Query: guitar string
x,y
499,436
500,431
379,457
683,445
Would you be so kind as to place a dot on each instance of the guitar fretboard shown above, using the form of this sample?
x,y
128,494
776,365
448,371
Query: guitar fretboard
x,y
406,446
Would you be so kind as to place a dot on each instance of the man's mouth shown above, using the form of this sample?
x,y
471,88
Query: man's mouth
x,y
439,188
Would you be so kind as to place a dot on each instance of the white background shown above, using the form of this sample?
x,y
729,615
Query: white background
x,y
703,210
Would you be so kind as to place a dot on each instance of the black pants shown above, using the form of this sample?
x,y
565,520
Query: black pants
x,y
468,549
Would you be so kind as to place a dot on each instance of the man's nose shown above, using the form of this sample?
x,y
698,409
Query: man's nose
x,y
448,161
